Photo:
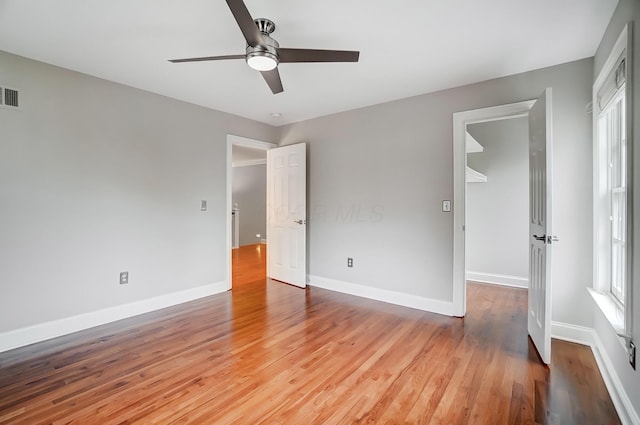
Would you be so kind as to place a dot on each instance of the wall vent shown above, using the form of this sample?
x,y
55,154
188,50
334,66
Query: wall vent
x,y
9,98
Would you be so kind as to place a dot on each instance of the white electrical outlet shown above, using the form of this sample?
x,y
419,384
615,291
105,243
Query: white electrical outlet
x,y
446,206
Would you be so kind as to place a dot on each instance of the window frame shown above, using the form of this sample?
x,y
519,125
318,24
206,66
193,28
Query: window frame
x,y
618,313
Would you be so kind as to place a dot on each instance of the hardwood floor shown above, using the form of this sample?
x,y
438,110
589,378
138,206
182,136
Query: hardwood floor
x,y
270,353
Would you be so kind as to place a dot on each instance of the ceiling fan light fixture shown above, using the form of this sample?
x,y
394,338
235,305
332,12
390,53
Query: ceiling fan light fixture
x,y
263,52
262,61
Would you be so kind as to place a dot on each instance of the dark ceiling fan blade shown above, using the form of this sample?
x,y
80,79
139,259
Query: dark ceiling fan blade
x,y
245,22
312,55
208,58
273,80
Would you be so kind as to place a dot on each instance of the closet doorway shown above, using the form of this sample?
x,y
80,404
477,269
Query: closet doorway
x,y
497,204
539,194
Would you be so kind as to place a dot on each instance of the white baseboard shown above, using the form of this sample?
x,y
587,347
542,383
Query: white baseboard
x,y
572,333
392,297
263,241
619,397
43,331
499,279
588,336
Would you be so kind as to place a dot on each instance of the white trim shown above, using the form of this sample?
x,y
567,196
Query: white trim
x,y
572,333
616,51
610,310
619,397
385,295
499,279
588,336
263,241
43,331
460,122
248,143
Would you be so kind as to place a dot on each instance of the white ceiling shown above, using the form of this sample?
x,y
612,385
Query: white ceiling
x,y
408,47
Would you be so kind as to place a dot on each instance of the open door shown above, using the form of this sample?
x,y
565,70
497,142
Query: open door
x,y
540,178
287,214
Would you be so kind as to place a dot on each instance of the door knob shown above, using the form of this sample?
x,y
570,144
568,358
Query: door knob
x,y
300,221
542,238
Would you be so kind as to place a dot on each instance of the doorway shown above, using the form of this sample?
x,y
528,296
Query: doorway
x,y
460,122
243,224
540,149
497,202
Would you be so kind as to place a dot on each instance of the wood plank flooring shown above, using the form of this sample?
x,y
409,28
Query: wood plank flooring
x,y
270,353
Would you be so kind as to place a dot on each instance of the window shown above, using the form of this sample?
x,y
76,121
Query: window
x,y
612,135
612,193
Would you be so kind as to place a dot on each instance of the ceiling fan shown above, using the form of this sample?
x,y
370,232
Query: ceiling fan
x,y
263,53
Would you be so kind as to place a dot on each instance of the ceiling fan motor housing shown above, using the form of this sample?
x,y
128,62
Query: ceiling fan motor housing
x,y
270,47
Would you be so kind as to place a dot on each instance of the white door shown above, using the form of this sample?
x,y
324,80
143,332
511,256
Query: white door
x,y
287,214
540,239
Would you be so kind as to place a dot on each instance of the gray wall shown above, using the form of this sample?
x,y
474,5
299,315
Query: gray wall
x,y
97,178
627,11
377,177
497,229
250,193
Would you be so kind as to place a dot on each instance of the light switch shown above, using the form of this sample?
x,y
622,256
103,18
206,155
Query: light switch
x,y
446,206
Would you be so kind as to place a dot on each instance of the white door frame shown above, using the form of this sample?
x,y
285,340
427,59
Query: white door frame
x,y
460,122
232,141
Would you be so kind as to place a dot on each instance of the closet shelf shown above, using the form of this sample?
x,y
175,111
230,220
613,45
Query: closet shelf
x,y
472,145
474,176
